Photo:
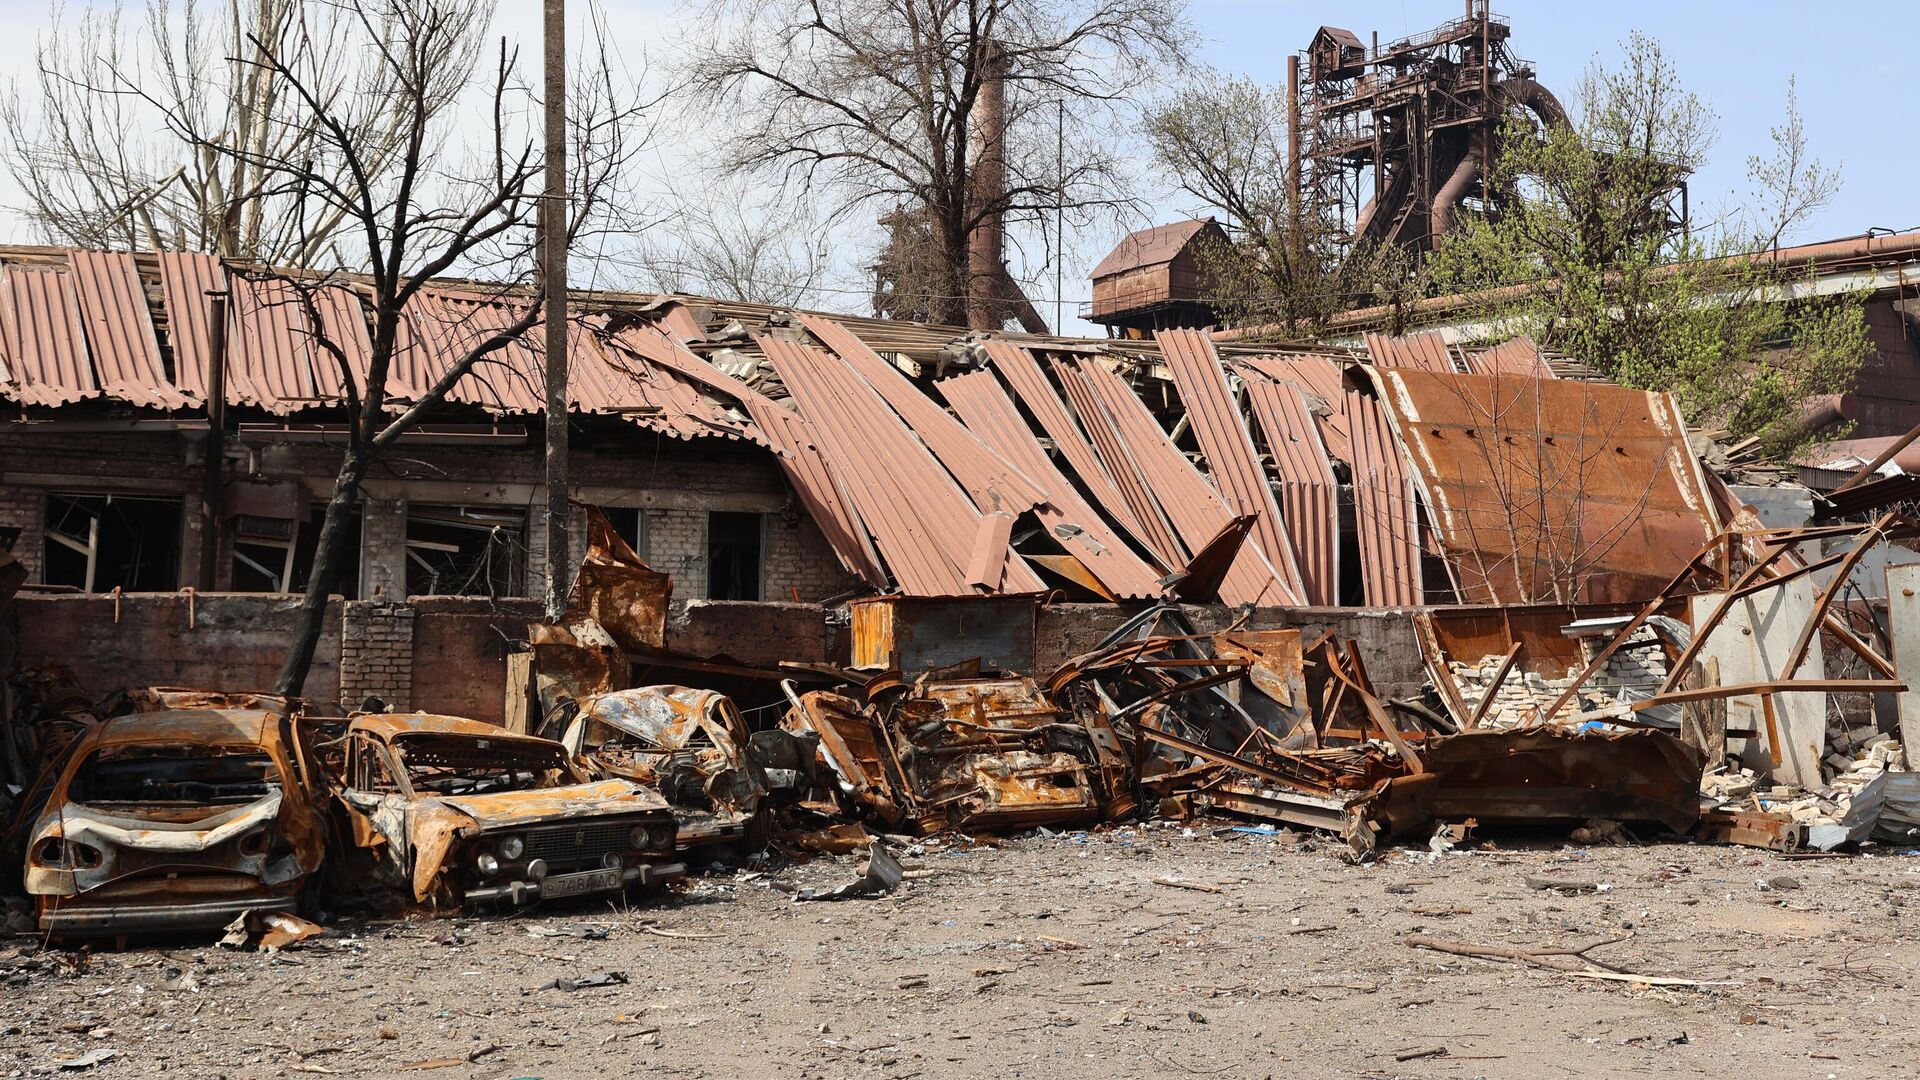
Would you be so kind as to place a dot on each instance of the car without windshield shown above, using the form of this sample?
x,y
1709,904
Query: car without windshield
x,y
175,819
454,812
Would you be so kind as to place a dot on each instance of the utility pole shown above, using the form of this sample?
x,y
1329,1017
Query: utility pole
x,y
553,272
212,481
1060,222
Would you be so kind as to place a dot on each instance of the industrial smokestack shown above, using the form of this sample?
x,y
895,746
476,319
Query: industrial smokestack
x,y
992,294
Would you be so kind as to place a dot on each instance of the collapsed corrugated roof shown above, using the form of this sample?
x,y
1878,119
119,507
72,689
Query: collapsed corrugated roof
x,y
1058,457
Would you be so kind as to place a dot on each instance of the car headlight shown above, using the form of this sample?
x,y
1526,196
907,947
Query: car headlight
x,y
512,848
663,837
487,864
61,854
639,837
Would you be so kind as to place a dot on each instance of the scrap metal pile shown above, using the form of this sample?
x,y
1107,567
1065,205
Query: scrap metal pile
x,y
1163,720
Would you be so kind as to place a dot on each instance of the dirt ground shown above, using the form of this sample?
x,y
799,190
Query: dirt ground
x,y
1055,956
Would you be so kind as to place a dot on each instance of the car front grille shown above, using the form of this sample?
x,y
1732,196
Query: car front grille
x,y
579,845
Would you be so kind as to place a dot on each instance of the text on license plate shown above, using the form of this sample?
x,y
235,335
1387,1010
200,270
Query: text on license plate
x,y
579,884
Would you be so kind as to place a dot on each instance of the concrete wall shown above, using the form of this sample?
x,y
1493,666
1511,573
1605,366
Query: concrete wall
x,y
448,654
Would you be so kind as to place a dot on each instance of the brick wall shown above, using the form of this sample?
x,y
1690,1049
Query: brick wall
x,y
677,547
230,641
376,653
25,509
383,548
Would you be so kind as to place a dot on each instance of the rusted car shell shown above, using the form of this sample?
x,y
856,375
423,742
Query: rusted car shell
x,y
422,841
173,866
675,738
664,717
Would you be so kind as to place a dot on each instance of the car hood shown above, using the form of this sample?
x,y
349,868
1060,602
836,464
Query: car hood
x,y
509,809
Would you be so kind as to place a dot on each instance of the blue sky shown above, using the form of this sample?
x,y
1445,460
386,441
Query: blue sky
x,y
1850,57
1853,59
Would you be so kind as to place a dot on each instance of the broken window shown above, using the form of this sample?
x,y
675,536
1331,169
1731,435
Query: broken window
x,y
466,551
464,765
631,525
100,542
153,775
733,555
273,554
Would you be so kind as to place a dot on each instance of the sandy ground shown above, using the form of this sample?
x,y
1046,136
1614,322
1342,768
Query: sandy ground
x,y
1055,957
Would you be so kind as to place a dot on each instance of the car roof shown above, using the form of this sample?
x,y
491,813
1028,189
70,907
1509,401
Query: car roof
x,y
201,727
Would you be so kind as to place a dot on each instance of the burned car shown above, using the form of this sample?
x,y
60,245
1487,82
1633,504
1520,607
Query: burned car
x,y
175,819
454,812
693,747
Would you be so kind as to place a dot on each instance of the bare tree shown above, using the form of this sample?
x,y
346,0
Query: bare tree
x,y
390,216
740,243
889,107
1223,140
147,132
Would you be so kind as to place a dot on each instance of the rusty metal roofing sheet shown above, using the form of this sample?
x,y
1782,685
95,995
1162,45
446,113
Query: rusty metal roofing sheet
x,y
678,321
186,277
1022,372
269,344
1155,532
921,520
1195,510
119,326
1309,494
1221,430
45,345
992,483
343,325
272,346
1149,247
794,443
1323,379
1384,514
1426,351
1074,525
613,380
442,327
1515,356
1551,489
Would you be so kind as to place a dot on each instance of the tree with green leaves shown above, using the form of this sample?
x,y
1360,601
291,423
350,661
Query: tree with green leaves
x,y
1588,258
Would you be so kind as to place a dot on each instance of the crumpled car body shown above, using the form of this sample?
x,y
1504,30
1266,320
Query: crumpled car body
x,y
454,812
691,745
992,755
175,819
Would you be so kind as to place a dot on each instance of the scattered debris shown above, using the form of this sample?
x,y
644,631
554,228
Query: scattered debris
x,y
269,931
587,982
882,875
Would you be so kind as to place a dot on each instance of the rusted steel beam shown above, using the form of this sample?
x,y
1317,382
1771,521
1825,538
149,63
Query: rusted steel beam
x,y
1882,458
1356,681
1217,757
1499,678
1782,686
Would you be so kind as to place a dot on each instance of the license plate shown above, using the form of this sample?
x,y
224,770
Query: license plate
x,y
592,881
